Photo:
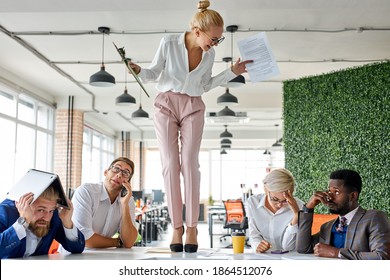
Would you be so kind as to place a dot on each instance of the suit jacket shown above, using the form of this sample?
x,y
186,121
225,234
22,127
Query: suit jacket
x,y
367,237
12,247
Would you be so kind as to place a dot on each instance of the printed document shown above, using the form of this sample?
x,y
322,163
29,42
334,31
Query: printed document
x,y
257,48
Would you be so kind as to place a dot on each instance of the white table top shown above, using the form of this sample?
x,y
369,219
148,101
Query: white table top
x,y
152,253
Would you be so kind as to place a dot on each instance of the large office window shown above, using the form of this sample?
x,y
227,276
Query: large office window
x,y
27,126
98,153
241,171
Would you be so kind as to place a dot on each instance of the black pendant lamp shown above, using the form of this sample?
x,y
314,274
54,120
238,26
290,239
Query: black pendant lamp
x,y
226,113
140,113
226,142
102,78
277,143
227,99
225,146
239,80
266,152
125,98
226,134
223,152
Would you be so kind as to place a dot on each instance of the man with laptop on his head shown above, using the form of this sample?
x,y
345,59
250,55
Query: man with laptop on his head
x,y
29,225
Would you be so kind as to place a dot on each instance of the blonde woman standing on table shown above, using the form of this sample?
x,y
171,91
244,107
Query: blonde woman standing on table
x,y
273,215
182,66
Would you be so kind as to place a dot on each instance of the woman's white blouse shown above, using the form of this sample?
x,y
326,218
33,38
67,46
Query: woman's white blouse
x,y
274,228
170,67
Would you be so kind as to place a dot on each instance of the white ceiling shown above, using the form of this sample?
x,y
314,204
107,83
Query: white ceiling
x,y
52,48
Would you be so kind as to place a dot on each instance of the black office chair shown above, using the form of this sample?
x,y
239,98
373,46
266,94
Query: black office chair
x,y
235,217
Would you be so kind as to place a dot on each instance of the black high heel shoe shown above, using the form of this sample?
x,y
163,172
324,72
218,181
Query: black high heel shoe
x,y
191,248
177,247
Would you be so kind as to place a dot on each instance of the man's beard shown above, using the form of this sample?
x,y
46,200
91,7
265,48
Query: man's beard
x,y
39,231
342,208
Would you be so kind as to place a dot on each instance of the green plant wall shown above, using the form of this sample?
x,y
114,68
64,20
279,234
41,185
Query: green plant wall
x,y
340,120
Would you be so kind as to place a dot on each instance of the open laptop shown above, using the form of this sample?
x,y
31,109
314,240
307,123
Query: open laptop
x,y
36,181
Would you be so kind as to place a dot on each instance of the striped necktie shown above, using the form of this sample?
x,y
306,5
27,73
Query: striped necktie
x,y
342,224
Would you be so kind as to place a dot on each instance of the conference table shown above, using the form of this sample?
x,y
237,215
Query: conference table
x,y
206,264
155,253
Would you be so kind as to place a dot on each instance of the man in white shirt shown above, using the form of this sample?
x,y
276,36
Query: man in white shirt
x,y
100,211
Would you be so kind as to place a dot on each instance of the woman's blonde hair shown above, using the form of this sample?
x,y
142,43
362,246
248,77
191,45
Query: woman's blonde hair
x,y
205,17
279,180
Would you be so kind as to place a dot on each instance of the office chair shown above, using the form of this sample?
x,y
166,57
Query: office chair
x,y
235,217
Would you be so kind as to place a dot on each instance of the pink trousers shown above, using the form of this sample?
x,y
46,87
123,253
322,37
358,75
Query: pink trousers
x,y
179,116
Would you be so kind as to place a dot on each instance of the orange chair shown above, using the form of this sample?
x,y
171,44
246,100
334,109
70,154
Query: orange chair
x,y
319,219
54,247
235,217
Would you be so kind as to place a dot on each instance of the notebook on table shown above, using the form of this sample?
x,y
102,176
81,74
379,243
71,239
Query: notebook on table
x,y
37,181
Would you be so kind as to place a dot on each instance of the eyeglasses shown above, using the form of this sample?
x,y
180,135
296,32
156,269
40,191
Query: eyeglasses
x,y
276,200
116,170
214,41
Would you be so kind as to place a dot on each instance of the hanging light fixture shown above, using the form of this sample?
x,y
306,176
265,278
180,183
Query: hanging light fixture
x,y
125,98
102,78
266,152
277,143
240,79
226,134
237,81
226,142
140,113
227,99
226,113
225,146
223,152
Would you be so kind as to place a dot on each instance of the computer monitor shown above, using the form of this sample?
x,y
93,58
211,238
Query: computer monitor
x,y
158,196
137,195
148,195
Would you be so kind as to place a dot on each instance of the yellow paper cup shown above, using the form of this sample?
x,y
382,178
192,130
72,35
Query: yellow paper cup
x,y
238,240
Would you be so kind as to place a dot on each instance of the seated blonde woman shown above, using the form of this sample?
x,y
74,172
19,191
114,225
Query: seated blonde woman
x,y
273,215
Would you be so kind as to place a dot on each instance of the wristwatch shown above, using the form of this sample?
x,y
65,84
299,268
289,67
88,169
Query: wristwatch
x,y
120,243
307,210
22,221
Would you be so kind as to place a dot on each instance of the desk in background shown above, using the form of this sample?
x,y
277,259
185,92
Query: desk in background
x,y
214,211
152,221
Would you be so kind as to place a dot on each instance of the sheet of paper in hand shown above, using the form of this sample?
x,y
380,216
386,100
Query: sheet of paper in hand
x,y
257,48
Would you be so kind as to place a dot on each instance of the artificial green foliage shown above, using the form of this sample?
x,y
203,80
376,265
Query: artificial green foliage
x,y
340,120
